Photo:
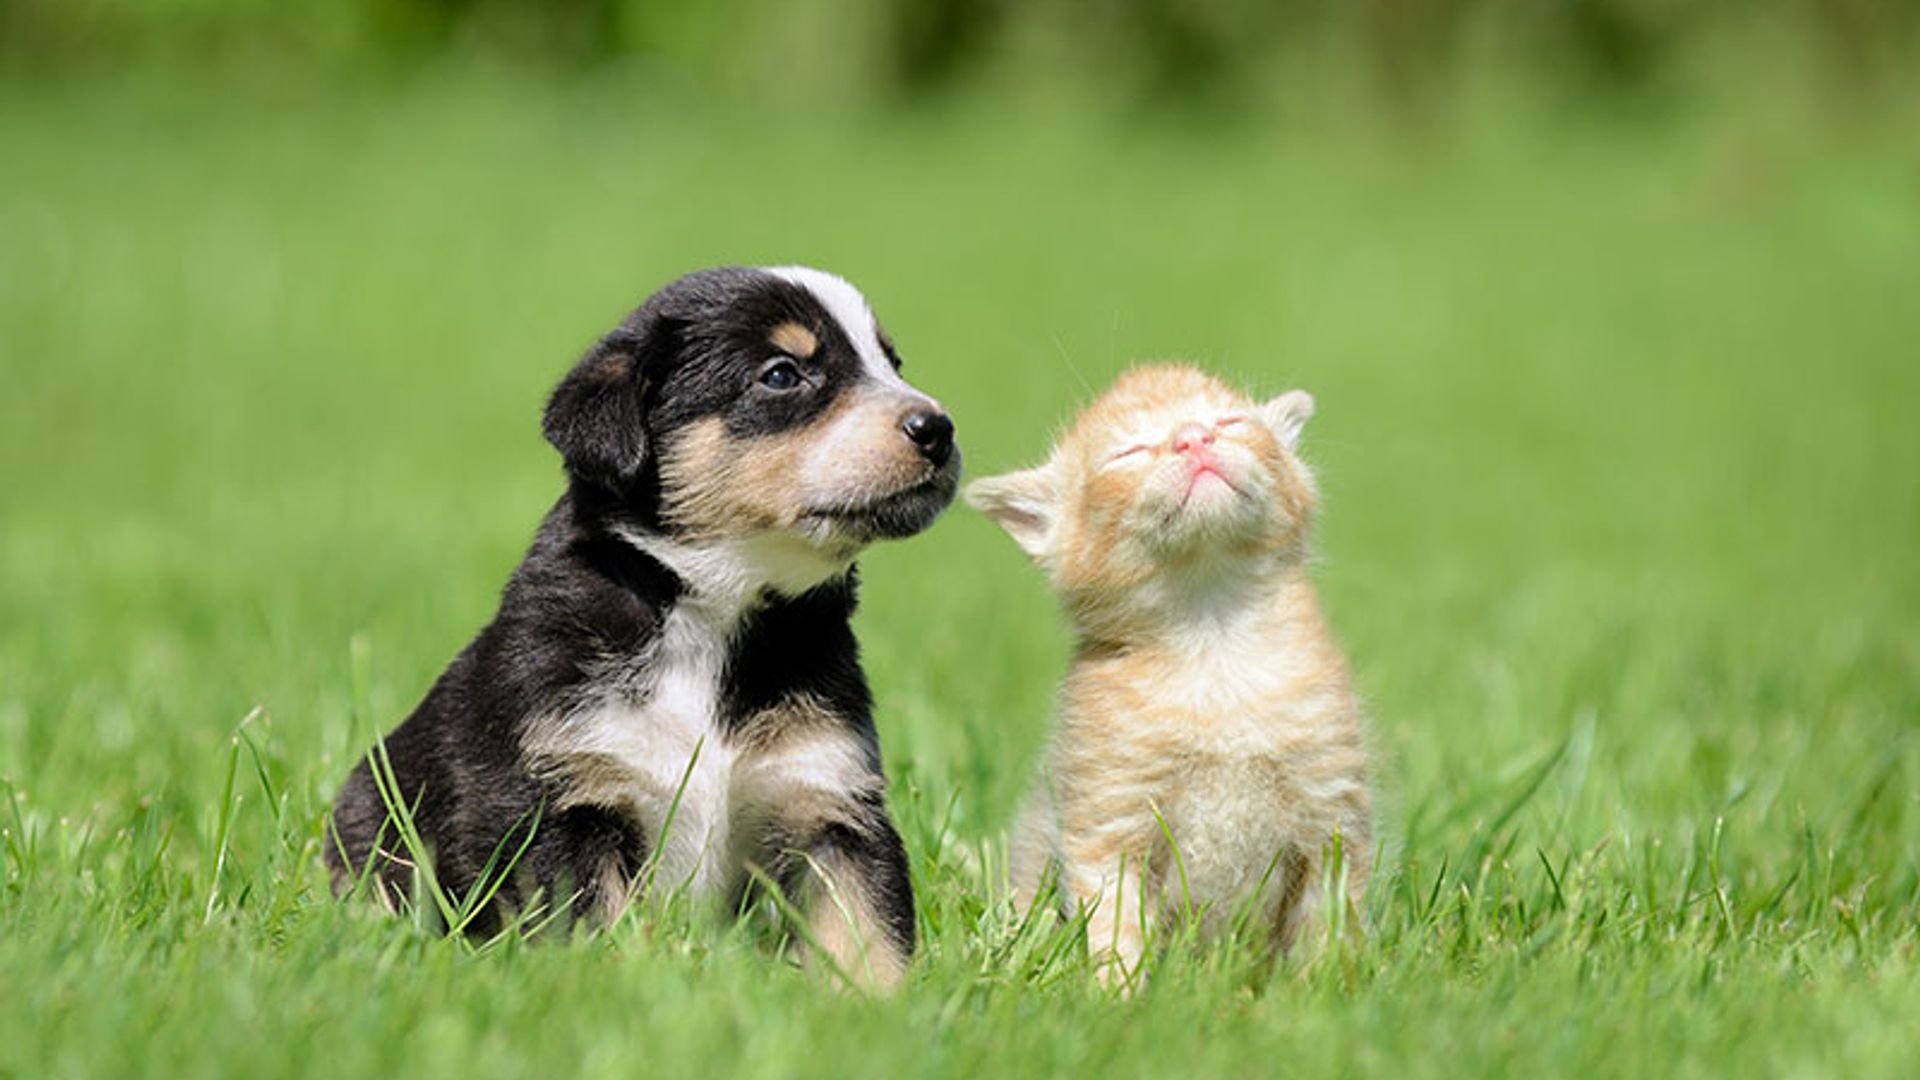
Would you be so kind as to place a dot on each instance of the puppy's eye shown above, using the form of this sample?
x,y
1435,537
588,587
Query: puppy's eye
x,y
781,375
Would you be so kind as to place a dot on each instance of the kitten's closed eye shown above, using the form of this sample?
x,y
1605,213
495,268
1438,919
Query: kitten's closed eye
x,y
1169,466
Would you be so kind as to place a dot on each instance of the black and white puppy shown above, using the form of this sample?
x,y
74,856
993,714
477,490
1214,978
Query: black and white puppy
x,y
671,690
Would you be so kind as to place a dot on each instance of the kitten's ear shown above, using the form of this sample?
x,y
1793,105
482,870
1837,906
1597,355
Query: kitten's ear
x,y
1025,503
1287,414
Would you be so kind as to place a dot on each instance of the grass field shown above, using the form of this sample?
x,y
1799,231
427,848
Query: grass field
x,y
1622,509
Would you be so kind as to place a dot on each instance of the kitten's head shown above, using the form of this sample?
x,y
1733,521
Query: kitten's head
x,y
1170,469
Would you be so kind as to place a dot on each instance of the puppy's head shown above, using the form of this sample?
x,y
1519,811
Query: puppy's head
x,y
757,406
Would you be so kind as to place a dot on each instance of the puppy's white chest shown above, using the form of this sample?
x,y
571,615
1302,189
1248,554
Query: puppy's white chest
x,y
681,770
658,752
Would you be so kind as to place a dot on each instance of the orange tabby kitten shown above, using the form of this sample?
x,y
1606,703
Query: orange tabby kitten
x,y
1207,700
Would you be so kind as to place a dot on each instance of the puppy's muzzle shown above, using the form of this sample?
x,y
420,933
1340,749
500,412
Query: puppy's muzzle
x,y
903,472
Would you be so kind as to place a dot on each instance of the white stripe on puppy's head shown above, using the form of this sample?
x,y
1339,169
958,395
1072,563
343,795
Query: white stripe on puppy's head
x,y
850,309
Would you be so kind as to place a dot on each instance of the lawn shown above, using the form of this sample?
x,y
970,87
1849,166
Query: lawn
x,y
1622,489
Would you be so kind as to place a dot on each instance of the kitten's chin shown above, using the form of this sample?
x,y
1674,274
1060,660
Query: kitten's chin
x,y
1211,493
1211,514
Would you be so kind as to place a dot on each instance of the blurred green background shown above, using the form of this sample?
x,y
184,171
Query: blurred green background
x,y
1226,51
1610,307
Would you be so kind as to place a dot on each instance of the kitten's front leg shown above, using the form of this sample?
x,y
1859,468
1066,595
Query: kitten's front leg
x,y
1117,927
857,896
1034,850
1301,926
1106,873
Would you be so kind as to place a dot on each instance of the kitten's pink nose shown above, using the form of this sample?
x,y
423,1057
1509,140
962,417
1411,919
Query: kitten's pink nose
x,y
1192,438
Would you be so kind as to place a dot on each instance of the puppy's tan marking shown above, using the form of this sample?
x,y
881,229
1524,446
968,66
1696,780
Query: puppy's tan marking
x,y
799,769
612,890
844,924
801,773
721,486
795,340
794,717
608,368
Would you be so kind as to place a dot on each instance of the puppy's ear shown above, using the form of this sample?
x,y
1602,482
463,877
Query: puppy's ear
x,y
594,417
1287,414
1025,503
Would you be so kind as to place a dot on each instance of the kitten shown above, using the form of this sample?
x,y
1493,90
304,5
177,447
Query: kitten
x,y
1207,699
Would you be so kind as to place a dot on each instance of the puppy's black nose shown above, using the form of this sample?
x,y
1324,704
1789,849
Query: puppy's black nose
x,y
932,432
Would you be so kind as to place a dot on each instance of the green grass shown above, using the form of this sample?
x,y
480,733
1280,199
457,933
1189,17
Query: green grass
x,y
1623,504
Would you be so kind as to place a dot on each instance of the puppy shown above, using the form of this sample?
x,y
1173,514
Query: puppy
x,y
671,693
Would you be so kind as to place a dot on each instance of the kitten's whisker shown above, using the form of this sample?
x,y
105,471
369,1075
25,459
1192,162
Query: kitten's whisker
x,y
1060,348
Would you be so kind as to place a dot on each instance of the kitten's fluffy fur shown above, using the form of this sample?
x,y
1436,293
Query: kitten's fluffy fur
x,y
1206,692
